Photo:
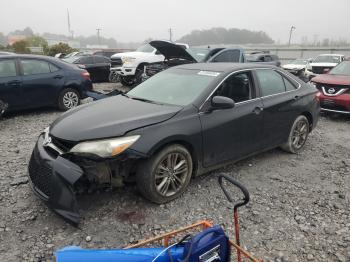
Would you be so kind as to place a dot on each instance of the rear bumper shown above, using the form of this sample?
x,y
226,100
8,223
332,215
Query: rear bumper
x,y
336,104
52,180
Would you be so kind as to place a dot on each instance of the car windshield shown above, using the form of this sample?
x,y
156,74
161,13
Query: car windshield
x,y
200,54
174,86
327,59
145,48
341,69
299,62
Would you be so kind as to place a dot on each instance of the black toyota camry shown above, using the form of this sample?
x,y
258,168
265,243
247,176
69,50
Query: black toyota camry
x,y
176,125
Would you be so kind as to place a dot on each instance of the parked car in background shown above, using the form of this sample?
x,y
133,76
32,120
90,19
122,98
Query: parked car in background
x,y
322,64
263,57
29,81
97,66
334,89
178,124
175,55
130,65
297,66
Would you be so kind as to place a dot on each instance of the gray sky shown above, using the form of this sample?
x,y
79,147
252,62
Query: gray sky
x,y
136,20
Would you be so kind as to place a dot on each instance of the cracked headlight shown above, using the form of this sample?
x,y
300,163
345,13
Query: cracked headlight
x,y
105,147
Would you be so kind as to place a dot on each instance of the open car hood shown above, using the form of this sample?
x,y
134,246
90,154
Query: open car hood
x,y
172,51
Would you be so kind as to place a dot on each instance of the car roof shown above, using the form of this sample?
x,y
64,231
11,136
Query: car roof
x,y
223,67
29,56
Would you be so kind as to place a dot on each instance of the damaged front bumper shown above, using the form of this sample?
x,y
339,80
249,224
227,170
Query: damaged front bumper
x,y
52,179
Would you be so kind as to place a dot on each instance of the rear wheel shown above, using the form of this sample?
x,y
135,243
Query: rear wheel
x,y
298,135
68,99
166,175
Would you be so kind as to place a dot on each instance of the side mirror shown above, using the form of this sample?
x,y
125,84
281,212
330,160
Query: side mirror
x,y
326,70
222,102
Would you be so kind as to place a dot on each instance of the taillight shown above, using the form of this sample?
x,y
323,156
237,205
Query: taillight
x,y
86,75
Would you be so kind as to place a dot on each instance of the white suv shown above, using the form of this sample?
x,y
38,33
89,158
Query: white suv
x,y
322,64
130,65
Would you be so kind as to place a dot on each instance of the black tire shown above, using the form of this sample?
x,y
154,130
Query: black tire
x,y
68,99
298,135
113,77
127,80
175,184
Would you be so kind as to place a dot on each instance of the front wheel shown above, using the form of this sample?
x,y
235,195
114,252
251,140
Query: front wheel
x,y
298,135
166,175
127,80
68,99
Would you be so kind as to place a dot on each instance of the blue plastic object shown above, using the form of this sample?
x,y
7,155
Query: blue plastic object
x,y
78,254
207,245
210,245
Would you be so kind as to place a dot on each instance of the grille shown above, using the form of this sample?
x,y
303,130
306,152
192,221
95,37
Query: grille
x,y
116,62
319,69
40,175
64,145
336,88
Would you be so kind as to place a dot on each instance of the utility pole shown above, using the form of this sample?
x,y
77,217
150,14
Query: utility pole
x,y
170,34
98,36
70,31
290,33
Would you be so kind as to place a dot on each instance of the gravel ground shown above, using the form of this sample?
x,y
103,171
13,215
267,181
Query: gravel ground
x,y
299,209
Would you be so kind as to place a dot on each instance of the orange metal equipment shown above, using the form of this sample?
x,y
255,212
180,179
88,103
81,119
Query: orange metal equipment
x,y
166,238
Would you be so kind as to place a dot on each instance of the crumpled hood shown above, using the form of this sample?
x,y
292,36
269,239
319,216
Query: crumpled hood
x,y
332,79
110,117
171,51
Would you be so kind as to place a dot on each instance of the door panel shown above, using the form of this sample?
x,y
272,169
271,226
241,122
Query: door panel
x,y
230,134
40,85
280,106
236,132
10,84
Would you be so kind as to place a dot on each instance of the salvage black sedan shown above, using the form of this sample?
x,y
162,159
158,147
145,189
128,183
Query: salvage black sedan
x,y
178,124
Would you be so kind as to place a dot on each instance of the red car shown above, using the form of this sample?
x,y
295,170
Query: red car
x,y
334,89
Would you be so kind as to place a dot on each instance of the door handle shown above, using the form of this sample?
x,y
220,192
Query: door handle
x,y
296,98
58,76
258,110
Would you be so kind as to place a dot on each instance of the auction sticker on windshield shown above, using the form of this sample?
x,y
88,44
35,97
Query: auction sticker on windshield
x,y
208,73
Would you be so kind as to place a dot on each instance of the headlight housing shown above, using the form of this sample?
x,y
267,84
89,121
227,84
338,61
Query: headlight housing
x,y
106,147
128,59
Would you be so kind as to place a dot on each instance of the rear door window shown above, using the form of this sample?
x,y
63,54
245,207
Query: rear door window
x,y
7,68
271,82
53,68
35,67
289,85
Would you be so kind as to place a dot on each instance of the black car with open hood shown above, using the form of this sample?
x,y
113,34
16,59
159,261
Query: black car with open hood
x,y
179,123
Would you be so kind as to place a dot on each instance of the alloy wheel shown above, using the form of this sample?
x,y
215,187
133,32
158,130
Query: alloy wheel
x,y
171,174
70,100
300,134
